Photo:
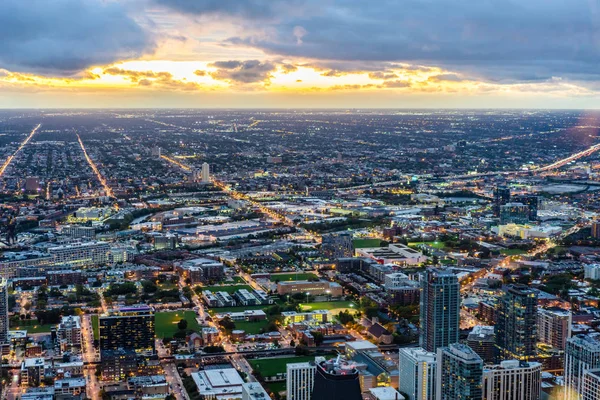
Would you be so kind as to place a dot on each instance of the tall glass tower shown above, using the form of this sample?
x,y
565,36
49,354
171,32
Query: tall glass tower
x,y
440,309
516,324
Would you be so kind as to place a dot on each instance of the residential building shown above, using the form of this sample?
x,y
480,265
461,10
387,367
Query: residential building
x,y
516,325
554,326
336,246
514,213
68,334
482,339
81,254
417,373
130,328
512,380
459,373
591,385
300,379
582,353
440,309
4,323
254,391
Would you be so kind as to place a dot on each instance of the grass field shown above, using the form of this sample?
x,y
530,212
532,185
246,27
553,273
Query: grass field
x,y
435,245
300,276
229,288
95,327
32,327
366,243
276,387
251,327
166,322
273,366
512,252
334,306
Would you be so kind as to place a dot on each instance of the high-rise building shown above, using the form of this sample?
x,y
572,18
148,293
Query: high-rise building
x,y
131,328
336,379
459,373
337,245
416,373
512,380
501,197
554,327
440,309
514,213
591,385
532,203
300,380
482,339
582,353
516,329
3,311
205,173
596,230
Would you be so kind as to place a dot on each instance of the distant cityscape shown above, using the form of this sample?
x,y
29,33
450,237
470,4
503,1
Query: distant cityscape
x,y
300,255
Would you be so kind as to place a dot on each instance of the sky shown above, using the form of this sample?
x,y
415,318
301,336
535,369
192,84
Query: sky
x,y
300,53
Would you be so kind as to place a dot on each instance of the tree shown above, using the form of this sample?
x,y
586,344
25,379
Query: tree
x,y
182,325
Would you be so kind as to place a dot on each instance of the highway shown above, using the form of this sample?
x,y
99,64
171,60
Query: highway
x,y
23,144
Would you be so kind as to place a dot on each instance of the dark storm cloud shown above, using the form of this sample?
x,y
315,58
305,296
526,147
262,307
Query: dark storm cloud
x,y
256,9
501,39
63,37
249,71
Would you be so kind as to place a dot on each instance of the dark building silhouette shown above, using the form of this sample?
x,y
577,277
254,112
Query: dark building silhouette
x,y
501,197
336,379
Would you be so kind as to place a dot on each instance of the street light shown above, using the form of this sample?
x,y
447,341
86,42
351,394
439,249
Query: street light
x,y
307,294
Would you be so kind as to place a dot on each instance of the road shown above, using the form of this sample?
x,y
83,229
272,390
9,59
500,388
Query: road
x,y
23,144
107,190
89,357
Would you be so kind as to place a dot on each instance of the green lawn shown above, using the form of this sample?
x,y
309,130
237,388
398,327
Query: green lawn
x,y
300,276
436,245
166,322
95,326
32,327
228,288
251,327
366,243
512,252
272,366
328,305
276,387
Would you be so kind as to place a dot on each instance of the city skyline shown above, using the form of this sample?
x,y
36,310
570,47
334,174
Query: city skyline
x,y
298,54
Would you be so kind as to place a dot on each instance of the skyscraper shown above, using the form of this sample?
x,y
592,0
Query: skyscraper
x,y
3,311
581,354
440,309
554,326
501,197
336,379
532,203
459,373
512,380
417,373
516,329
205,173
300,380
131,328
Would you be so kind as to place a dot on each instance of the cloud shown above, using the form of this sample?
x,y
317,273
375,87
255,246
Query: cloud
x,y
254,9
382,75
199,72
135,76
249,71
446,77
63,37
500,39
396,84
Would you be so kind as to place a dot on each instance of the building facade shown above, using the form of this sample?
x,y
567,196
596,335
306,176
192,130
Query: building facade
x,y
459,373
131,328
417,373
300,380
582,353
512,380
516,324
440,309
